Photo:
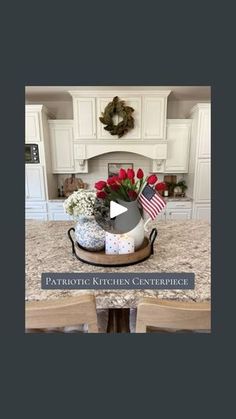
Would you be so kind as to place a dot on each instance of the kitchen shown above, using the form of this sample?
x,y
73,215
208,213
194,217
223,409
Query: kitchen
x,y
67,147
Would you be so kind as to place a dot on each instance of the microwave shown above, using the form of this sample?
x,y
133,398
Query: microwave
x,y
32,153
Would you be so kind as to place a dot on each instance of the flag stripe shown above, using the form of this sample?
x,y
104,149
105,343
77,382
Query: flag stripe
x,y
159,202
145,204
151,201
148,209
149,205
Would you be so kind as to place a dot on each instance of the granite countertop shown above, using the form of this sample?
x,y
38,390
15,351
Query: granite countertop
x,y
182,246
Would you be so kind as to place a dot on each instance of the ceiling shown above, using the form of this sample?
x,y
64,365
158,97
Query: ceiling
x,y
51,93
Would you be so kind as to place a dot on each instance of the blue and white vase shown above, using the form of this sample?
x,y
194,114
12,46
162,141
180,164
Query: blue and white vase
x,y
89,234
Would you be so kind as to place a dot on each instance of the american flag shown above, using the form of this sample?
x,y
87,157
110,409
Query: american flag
x,y
151,201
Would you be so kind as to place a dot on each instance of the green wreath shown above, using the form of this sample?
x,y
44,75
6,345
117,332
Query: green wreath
x,y
117,107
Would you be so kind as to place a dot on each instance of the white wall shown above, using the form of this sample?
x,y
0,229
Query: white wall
x,y
98,167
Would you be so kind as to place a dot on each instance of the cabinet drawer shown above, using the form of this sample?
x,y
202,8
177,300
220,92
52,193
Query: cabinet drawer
x,y
179,205
55,206
36,206
36,216
59,216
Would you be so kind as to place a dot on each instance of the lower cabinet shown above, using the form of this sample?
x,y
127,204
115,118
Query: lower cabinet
x,y
202,212
176,214
36,216
58,216
56,212
176,210
36,210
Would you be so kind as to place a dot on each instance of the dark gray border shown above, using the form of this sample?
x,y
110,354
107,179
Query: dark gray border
x,y
97,44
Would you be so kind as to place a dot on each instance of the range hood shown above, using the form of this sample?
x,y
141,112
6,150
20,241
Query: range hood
x,y
147,138
157,152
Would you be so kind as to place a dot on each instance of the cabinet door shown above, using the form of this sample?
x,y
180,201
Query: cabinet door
x,y
202,212
179,215
32,127
84,118
203,181
34,183
204,150
178,141
62,149
154,117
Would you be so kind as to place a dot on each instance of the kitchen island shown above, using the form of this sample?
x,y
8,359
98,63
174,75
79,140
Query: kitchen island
x,y
181,246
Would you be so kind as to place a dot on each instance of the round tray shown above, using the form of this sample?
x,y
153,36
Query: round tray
x,y
101,259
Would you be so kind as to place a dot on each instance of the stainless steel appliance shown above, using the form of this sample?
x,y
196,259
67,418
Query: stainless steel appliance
x,y
32,153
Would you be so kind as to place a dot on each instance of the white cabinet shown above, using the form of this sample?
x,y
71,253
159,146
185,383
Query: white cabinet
x,y
154,117
176,210
36,210
84,117
56,212
62,146
36,215
178,141
199,175
202,212
203,183
34,182
204,150
134,102
32,125
177,214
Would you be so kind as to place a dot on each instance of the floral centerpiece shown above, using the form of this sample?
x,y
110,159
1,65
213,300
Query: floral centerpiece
x,y
88,233
127,185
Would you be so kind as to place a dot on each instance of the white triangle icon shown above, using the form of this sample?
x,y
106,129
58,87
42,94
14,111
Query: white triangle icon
x,y
116,209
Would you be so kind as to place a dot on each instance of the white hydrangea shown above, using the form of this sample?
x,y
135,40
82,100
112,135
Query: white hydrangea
x,y
81,202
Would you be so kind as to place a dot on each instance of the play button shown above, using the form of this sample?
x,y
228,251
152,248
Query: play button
x,y
116,209
117,217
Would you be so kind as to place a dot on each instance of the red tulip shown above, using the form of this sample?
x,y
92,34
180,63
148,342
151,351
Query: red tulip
x,y
101,194
140,174
100,185
115,187
130,173
160,186
122,174
151,179
111,180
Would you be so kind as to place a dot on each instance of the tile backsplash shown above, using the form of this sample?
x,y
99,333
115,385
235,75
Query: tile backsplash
x,y
98,167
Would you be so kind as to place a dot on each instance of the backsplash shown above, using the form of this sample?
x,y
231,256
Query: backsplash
x,y
98,167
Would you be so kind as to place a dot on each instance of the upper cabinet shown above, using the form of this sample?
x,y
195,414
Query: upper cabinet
x,y
178,142
62,151
32,124
149,114
84,117
204,150
154,116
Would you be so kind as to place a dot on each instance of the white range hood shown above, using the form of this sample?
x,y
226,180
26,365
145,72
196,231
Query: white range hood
x,y
157,152
147,139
